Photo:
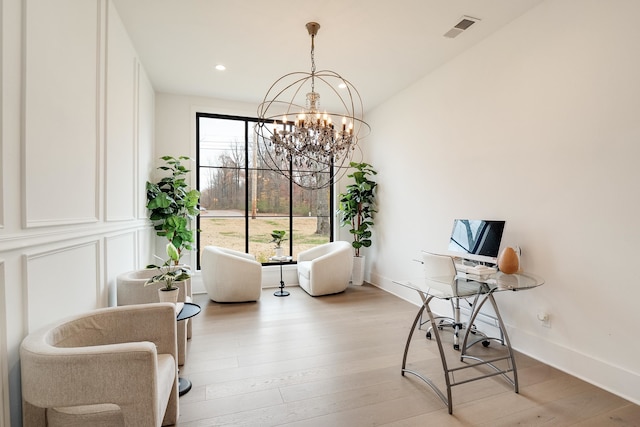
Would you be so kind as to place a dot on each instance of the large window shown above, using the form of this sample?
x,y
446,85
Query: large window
x,y
242,201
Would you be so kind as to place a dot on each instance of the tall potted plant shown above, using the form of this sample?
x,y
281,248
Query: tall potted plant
x,y
356,208
172,204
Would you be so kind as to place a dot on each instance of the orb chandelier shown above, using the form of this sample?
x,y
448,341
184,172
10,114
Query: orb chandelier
x,y
296,137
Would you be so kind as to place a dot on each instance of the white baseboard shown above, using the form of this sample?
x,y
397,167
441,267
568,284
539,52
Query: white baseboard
x,y
600,373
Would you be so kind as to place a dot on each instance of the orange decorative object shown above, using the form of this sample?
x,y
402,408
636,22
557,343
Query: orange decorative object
x,y
508,261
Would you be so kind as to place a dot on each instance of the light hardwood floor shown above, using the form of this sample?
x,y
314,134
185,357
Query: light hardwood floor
x,y
335,361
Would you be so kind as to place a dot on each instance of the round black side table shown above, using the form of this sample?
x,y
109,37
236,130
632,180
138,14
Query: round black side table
x,y
281,261
188,310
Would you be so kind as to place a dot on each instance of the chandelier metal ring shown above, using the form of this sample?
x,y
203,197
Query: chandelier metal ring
x,y
304,142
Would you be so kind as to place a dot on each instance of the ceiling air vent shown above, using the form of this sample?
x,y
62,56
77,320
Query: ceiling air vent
x,y
465,23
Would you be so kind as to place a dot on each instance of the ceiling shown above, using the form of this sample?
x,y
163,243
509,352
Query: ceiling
x,y
380,46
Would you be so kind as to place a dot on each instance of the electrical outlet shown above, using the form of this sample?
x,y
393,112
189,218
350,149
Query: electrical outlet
x,y
545,319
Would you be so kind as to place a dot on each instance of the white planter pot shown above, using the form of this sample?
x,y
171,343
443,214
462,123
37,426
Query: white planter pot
x,y
279,252
168,296
357,275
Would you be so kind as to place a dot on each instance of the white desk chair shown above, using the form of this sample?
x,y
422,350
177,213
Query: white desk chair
x,y
441,268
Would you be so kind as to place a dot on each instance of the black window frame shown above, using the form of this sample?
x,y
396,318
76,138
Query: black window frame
x,y
247,120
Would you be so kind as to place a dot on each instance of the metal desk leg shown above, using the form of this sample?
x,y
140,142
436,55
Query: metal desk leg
x,y
413,328
446,399
449,372
505,337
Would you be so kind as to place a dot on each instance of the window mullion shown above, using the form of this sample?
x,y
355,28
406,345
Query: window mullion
x,y
246,187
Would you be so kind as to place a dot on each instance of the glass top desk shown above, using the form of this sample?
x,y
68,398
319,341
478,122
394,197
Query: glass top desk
x,y
481,290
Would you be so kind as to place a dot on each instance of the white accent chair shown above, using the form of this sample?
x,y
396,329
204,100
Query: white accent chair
x,y
131,289
114,366
325,269
230,276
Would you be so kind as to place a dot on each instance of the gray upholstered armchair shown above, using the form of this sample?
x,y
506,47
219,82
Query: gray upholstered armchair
x,y
131,289
108,367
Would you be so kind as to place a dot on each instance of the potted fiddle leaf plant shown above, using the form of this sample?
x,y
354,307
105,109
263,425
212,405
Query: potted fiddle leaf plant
x,y
356,208
169,273
277,237
173,205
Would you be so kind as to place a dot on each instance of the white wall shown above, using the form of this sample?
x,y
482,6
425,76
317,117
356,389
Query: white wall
x,y
76,148
537,125
175,120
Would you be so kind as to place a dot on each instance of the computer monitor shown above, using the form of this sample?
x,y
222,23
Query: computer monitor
x,y
476,240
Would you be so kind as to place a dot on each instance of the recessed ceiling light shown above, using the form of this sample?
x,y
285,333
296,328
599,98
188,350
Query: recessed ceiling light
x,y
342,86
220,67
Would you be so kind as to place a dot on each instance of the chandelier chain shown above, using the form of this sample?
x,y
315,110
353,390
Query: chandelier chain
x,y
313,64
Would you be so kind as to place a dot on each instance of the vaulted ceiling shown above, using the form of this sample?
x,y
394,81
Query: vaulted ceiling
x,y
381,46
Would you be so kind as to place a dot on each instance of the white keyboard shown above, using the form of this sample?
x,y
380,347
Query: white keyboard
x,y
480,270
